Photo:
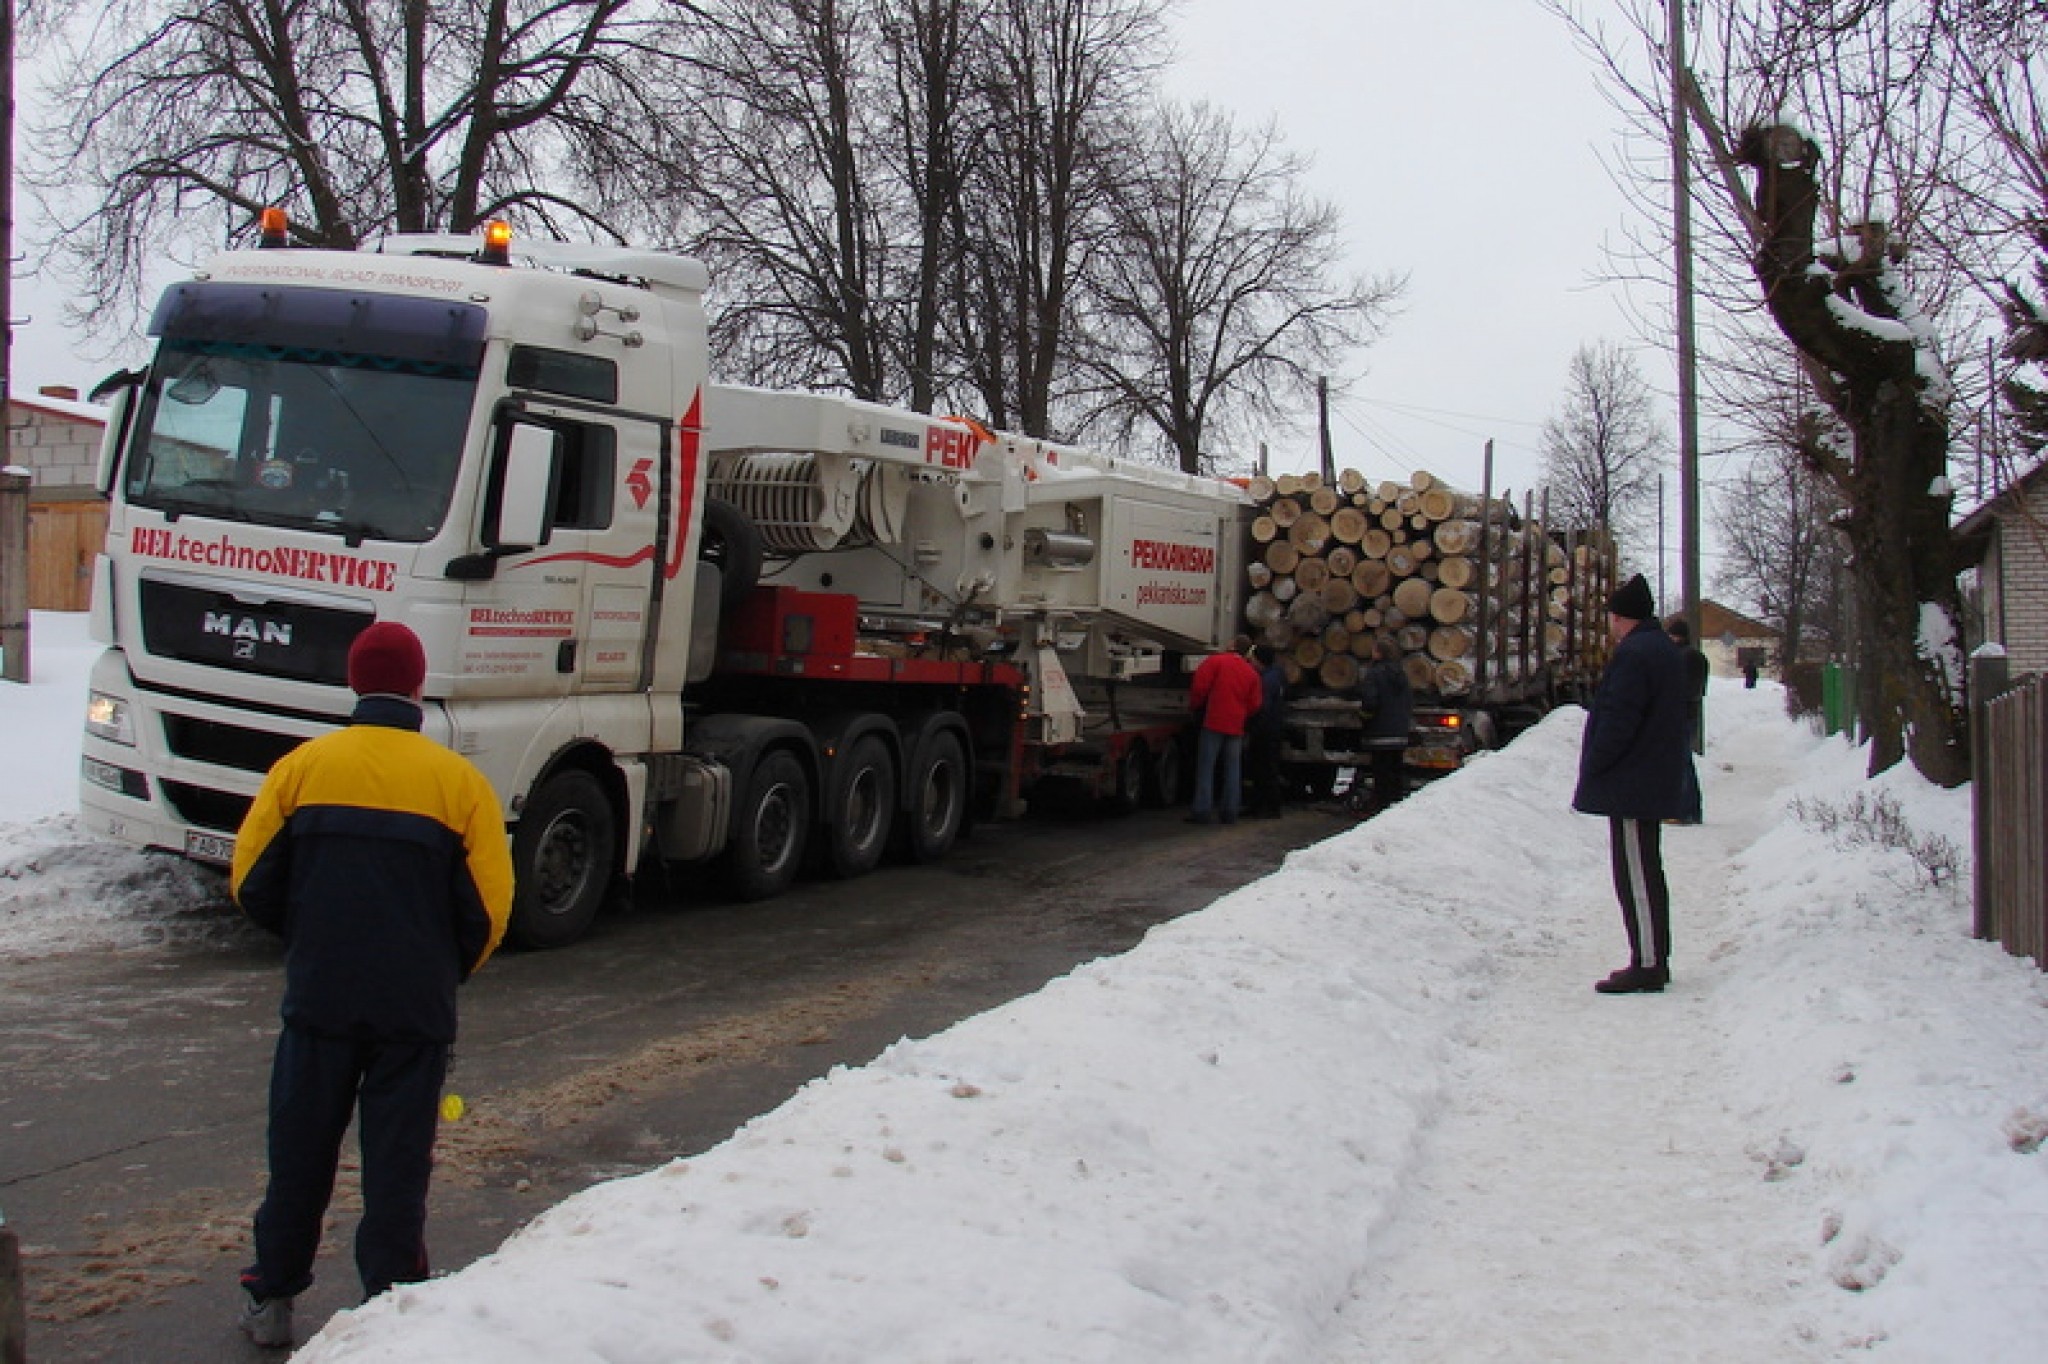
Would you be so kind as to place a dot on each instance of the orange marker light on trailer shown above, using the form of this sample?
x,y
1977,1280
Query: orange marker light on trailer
x,y
273,227
497,243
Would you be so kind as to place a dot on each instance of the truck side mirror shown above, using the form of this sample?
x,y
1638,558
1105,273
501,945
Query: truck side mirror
x,y
518,499
526,489
117,391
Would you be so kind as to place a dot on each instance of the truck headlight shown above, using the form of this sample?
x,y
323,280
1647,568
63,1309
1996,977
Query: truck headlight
x,y
107,717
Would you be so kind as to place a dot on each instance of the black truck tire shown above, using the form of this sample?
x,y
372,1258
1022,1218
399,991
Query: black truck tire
x,y
563,855
860,808
938,790
771,828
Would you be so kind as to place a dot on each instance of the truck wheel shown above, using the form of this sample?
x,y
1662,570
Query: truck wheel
x,y
938,799
859,808
563,853
1164,789
1315,781
1133,777
770,828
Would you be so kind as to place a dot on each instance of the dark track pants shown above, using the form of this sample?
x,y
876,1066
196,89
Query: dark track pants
x,y
1389,771
1262,770
315,1084
1637,846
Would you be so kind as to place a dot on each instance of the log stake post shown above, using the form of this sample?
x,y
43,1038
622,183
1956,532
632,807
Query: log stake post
x,y
1532,557
1503,574
1486,584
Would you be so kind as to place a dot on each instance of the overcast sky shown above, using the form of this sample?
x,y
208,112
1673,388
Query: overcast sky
x,y
1462,142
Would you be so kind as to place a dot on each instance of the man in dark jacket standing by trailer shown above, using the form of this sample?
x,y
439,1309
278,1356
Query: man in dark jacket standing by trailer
x,y
381,858
1389,703
1266,734
1635,767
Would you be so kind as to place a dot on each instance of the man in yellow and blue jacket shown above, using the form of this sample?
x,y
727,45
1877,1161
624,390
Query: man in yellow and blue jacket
x,y
381,858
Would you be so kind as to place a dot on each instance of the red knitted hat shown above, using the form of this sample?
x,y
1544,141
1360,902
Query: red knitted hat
x,y
387,660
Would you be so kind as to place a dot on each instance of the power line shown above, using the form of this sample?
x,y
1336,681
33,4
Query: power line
x,y
1415,408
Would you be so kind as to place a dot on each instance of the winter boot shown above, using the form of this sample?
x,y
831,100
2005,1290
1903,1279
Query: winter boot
x,y
1635,980
267,1321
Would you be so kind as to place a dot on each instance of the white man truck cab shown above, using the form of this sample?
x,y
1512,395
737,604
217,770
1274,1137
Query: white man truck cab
x,y
665,617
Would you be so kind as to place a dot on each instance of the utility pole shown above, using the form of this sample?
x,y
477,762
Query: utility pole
x,y
6,209
1662,600
1329,465
1688,393
14,611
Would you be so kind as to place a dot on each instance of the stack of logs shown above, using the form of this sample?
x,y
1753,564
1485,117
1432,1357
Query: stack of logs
x,y
1334,567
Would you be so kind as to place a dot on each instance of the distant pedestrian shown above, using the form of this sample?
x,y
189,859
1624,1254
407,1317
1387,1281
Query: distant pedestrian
x,y
1226,693
1750,668
1389,705
1266,734
1635,768
381,859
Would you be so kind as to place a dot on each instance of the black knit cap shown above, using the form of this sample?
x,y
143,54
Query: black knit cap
x,y
1632,600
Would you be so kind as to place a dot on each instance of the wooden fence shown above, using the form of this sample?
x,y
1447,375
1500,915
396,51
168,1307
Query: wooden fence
x,y
2009,786
64,539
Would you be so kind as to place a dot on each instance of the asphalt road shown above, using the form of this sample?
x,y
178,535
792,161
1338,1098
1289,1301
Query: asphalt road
x,y
131,1117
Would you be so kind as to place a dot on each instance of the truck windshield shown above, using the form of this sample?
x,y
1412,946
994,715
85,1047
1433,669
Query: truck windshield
x,y
309,437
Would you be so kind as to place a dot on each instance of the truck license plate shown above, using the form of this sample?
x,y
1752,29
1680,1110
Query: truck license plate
x,y
218,849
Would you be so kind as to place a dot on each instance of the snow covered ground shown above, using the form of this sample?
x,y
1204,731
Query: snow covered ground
x,y
1366,1109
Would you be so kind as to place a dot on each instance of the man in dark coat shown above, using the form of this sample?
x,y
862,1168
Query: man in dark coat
x,y
1635,767
1389,703
1266,734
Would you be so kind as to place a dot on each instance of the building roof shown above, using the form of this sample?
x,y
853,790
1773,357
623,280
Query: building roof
x,y
71,409
1717,621
1973,532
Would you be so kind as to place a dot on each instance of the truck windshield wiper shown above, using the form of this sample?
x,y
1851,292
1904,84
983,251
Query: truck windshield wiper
x,y
175,507
352,533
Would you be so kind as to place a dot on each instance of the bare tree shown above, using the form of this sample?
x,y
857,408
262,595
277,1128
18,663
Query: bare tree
x,y
927,44
1858,330
2026,392
1776,526
1215,300
1852,236
1601,452
182,119
1060,78
785,178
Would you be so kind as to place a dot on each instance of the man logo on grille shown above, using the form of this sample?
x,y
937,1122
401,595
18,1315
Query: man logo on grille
x,y
247,631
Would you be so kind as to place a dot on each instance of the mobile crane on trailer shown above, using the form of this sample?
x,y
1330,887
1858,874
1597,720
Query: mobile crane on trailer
x,y
668,618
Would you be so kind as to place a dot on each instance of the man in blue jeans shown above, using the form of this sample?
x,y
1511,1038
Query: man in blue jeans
x,y
381,859
1226,693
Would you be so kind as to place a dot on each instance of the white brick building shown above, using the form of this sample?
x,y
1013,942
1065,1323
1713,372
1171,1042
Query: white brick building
x,y
2006,542
57,439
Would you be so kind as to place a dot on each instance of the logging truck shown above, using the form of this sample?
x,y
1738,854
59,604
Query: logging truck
x,y
669,619
1497,618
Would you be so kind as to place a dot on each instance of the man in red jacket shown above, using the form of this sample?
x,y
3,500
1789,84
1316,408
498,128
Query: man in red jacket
x,y
1226,693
